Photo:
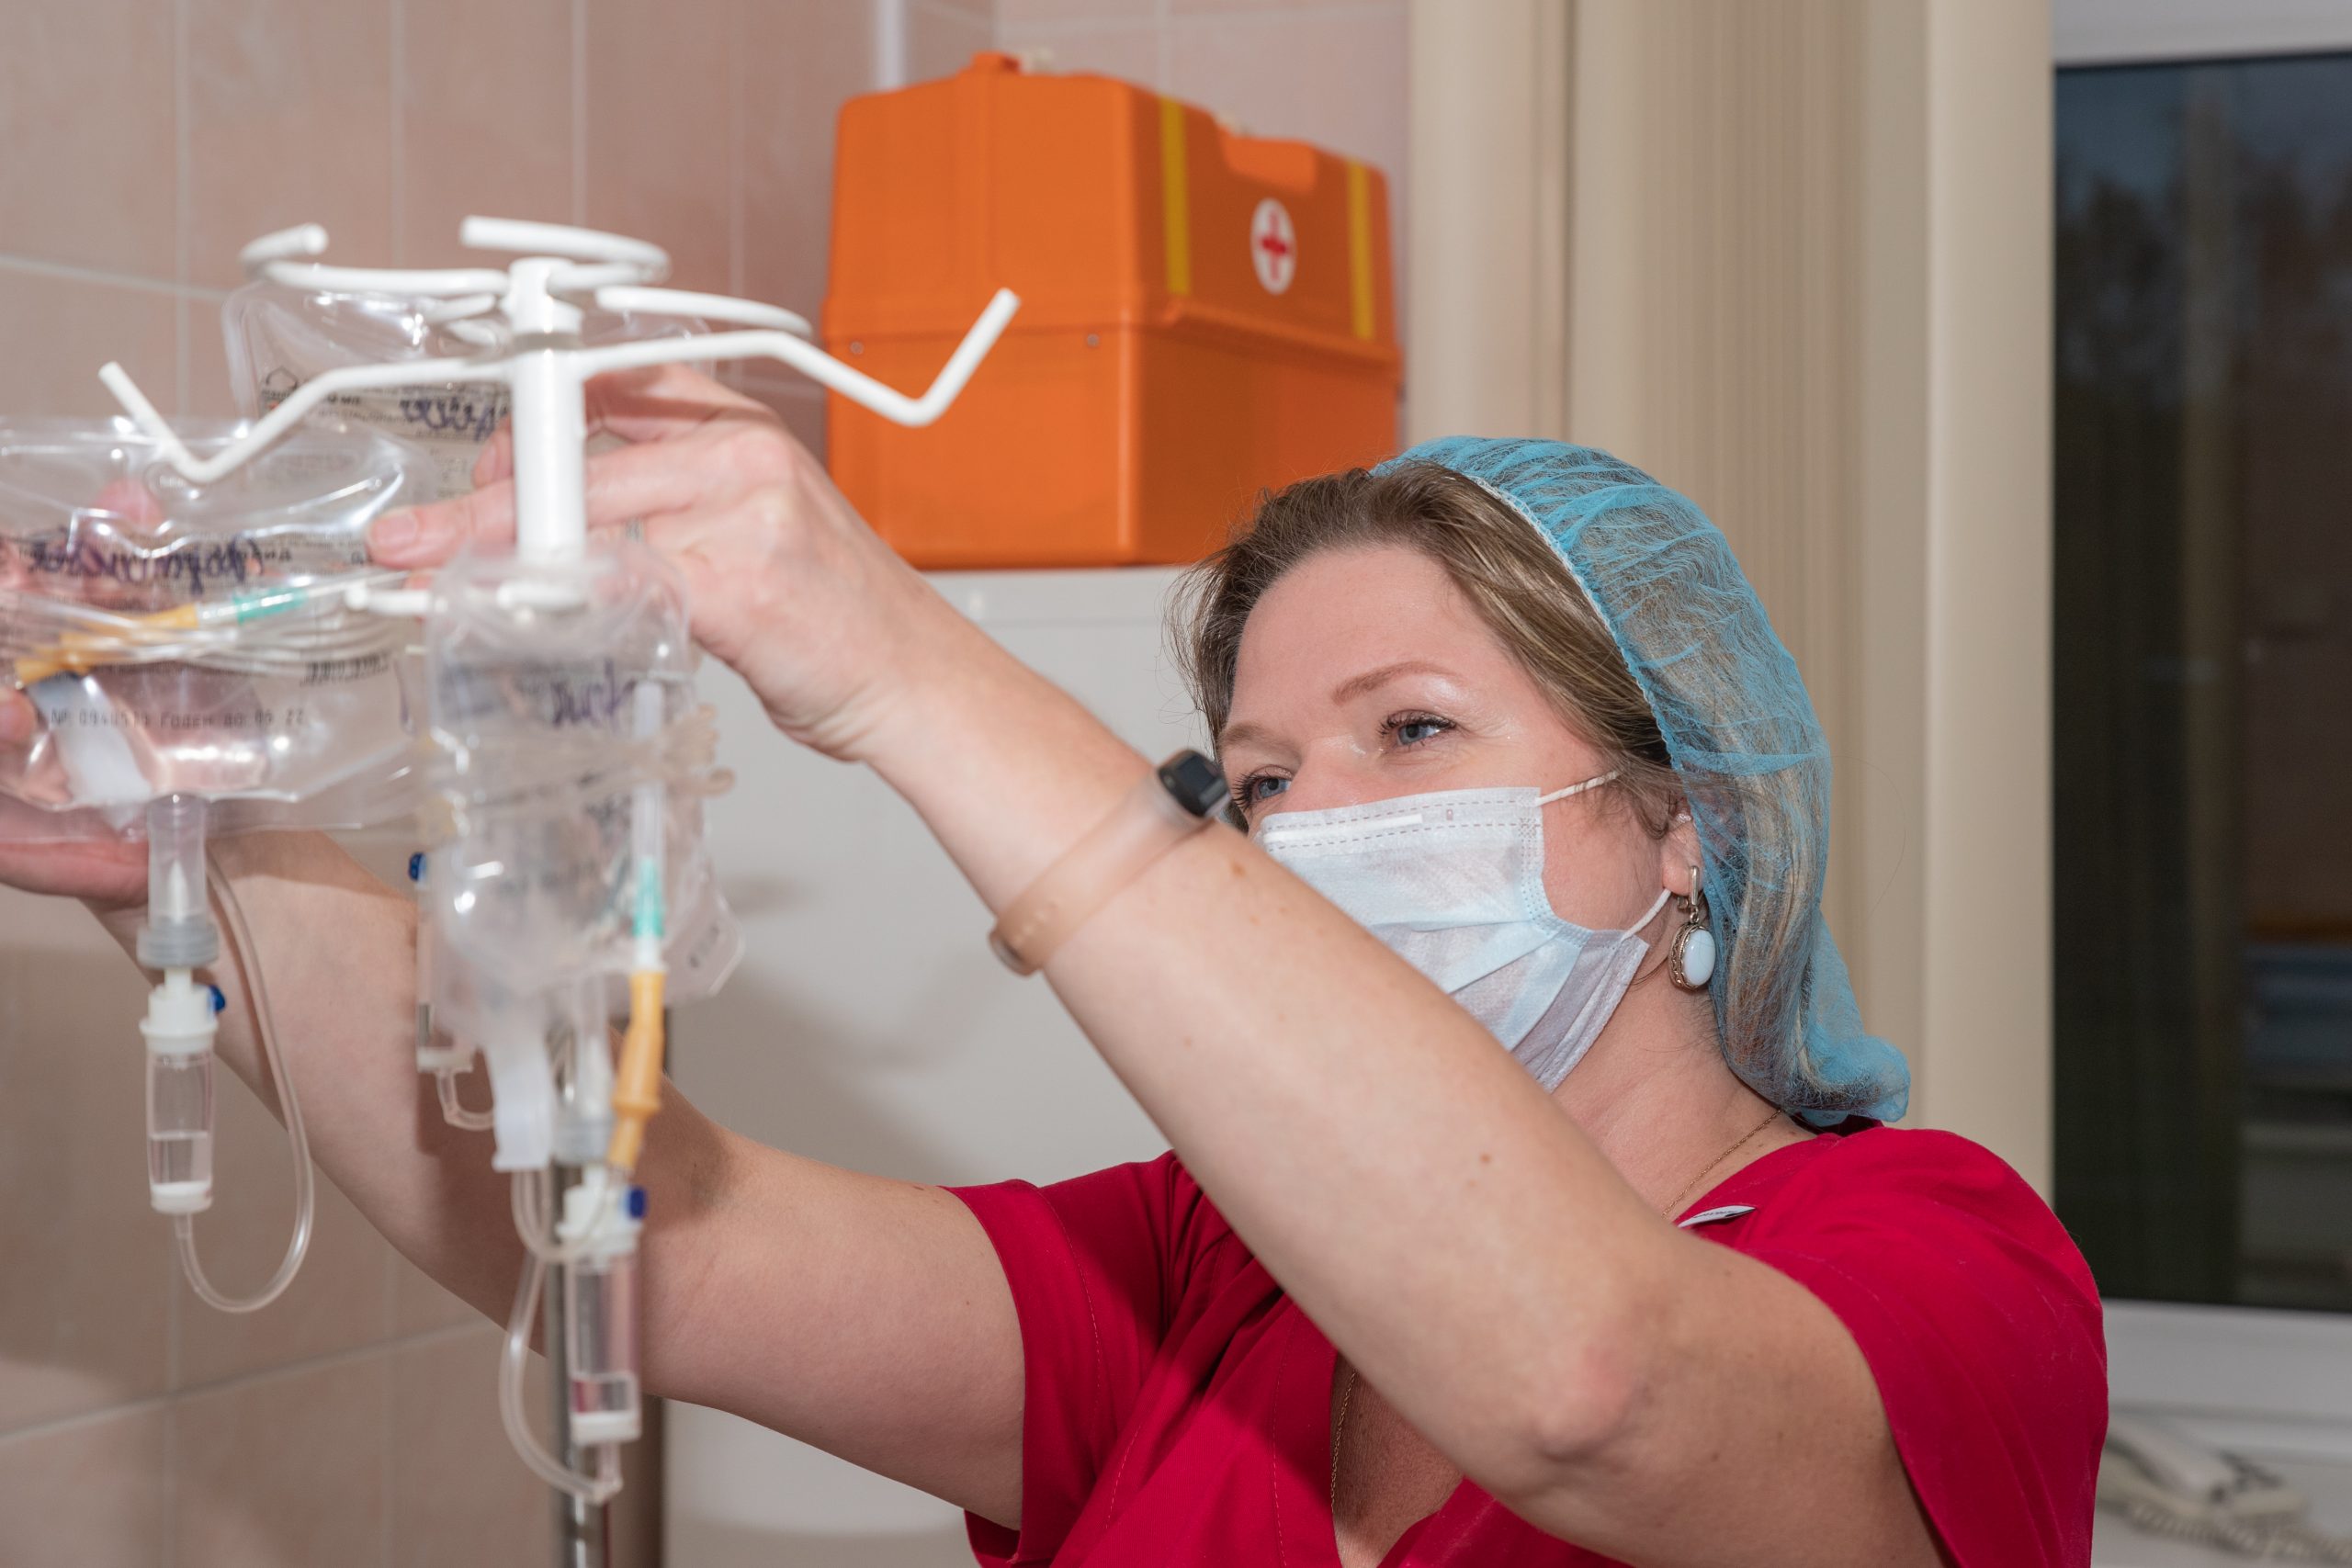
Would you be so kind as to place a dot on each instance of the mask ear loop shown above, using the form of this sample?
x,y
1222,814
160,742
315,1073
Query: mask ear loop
x,y
1649,969
1651,913
1664,893
1578,789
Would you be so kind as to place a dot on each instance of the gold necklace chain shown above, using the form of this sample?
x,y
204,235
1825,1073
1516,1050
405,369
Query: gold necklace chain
x,y
1348,1395
1708,1170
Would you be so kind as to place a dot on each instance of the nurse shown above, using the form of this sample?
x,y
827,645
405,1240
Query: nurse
x,y
1528,1202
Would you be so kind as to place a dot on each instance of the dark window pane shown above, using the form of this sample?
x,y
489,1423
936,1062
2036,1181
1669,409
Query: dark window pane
x,y
2204,678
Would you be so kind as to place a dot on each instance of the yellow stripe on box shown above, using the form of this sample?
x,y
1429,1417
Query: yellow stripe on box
x,y
1175,197
1360,247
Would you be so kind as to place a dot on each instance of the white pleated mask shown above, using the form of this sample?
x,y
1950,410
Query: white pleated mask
x,y
1453,883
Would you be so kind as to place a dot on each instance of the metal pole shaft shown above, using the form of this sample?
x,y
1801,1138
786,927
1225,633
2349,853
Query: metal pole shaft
x,y
583,1538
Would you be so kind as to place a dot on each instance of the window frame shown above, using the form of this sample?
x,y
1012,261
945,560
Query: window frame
x,y
2262,1380
2132,32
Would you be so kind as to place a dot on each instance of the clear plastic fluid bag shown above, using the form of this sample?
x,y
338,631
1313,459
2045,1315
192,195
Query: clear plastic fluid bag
x,y
539,750
280,335
177,639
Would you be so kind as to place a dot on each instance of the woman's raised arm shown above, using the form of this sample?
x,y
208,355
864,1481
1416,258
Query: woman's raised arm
x,y
1459,1239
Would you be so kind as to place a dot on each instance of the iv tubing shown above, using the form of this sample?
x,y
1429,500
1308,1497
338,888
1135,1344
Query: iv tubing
x,y
305,1194
217,634
606,1482
637,1087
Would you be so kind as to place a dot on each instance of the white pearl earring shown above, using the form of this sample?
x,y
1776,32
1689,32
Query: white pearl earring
x,y
1690,961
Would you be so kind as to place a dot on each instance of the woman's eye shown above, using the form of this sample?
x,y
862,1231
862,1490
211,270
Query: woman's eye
x,y
1411,729
1259,787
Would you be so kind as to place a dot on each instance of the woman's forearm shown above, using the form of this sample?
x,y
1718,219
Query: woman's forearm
x,y
1428,1206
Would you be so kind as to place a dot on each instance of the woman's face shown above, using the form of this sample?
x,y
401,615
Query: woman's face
x,y
1365,673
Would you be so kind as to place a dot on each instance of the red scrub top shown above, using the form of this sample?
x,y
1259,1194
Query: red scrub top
x,y
1179,1403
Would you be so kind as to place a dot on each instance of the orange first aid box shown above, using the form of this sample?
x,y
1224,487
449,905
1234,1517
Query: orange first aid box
x,y
1203,315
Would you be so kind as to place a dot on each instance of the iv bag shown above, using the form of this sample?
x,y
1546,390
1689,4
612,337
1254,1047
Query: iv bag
x,y
532,673
177,638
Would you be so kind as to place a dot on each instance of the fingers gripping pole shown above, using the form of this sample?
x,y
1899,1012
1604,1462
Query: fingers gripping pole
x,y
822,368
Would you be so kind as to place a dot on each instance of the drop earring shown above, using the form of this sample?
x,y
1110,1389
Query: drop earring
x,y
1690,961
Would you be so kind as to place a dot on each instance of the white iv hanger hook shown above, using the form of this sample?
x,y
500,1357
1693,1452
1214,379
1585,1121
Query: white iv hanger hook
x,y
540,296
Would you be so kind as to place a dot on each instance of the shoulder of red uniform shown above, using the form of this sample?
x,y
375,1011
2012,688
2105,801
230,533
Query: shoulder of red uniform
x,y
1906,1178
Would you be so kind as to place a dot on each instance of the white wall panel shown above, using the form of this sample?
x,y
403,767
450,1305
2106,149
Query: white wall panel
x,y
870,1027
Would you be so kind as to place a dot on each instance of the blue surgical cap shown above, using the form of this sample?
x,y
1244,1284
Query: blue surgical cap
x,y
1745,746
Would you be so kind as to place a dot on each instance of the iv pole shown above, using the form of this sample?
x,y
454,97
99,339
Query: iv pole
x,y
561,270
582,1529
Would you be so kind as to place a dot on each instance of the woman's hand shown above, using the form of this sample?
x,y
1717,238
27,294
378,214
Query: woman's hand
x,y
789,584
103,870
42,851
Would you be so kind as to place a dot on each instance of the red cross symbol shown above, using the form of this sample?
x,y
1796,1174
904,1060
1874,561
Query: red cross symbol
x,y
1273,245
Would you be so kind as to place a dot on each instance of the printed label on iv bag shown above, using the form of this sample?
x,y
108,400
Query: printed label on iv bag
x,y
130,734
451,420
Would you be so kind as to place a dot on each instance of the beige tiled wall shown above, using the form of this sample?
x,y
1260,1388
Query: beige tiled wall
x,y
354,1420
350,1422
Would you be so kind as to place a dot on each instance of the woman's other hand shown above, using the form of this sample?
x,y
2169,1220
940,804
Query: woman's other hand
x,y
789,584
43,849
86,862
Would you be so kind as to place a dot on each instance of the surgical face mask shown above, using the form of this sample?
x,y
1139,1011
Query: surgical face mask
x,y
1453,882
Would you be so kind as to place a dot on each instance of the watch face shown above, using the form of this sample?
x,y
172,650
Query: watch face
x,y
1194,782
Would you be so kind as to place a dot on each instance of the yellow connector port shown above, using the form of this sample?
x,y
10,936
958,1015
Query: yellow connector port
x,y
80,652
636,1090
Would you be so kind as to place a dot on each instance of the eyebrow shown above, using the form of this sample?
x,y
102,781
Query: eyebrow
x,y
1355,686
1347,690
1240,735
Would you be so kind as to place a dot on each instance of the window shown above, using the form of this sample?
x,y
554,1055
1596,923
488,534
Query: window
x,y
2203,670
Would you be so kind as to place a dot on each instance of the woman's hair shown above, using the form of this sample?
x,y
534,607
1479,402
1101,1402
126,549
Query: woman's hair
x,y
1629,609
1513,580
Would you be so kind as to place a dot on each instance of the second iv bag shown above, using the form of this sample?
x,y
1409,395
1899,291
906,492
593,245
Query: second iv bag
x,y
184,640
